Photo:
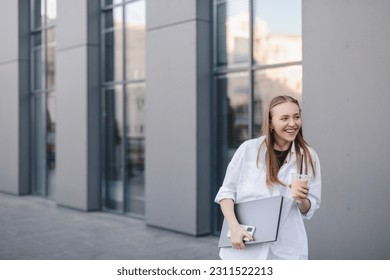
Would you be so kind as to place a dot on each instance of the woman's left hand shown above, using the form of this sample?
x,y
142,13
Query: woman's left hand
x,y
299,190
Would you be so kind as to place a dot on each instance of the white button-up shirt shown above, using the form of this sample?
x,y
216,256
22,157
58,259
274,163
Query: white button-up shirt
x,y
244,181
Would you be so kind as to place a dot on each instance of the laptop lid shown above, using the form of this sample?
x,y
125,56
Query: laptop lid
x,y
263,214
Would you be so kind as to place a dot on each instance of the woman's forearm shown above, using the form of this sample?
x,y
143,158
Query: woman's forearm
x,y
237,232
227,207
304,205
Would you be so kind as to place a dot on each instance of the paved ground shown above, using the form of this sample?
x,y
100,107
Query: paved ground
x,y
35,228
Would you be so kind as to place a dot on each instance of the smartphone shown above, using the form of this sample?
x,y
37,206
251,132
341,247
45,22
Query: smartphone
x,y
249,229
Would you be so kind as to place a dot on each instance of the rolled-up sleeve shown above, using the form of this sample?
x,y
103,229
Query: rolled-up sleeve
x,y
314,190
232,176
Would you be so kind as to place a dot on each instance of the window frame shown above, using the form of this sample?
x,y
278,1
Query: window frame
x,y
43,92
251,69
123,83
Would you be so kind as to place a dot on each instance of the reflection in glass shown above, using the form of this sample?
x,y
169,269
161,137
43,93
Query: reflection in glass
x,y
232,119
108,20
51,67
113,45
273,68
233,116
51,11
135,149
272,82
50,33
233,27
38,39
277,34
113,18
43,14
51,144
111,2
38,62
37,13
113,116
135,40
39,146
124,158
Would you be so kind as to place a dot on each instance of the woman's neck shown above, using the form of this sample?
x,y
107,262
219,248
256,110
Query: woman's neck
x,y
282,146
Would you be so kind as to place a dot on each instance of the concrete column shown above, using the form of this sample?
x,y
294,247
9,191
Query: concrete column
x,y
177,115
77,74
14,97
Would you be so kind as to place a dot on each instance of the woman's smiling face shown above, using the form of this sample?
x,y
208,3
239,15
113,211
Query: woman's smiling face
x,y
286,123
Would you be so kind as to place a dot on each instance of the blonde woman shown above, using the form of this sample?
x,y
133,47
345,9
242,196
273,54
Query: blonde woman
x,y
262,168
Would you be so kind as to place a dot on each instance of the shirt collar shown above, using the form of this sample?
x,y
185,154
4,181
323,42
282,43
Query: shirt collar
x,y
261,139
292,147
289,155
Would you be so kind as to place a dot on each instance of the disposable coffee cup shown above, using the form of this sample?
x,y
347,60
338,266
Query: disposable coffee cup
x,y
300,177
299,180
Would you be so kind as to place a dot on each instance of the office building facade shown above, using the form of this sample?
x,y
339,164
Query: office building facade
x,y
135,107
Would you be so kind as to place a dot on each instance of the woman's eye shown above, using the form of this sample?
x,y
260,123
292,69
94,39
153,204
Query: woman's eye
x,y
297,117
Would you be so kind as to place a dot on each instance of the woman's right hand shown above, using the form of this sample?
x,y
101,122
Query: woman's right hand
x,y
237,234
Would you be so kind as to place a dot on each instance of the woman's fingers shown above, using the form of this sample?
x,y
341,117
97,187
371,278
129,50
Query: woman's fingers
x,y
238,234
238,244
301,193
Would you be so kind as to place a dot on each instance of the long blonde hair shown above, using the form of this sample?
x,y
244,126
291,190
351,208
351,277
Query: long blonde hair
x,y
271,162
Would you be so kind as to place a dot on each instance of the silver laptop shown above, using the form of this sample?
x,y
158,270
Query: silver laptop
x,y
263,214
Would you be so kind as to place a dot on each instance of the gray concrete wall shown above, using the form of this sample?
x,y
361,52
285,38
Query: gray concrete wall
x,y
346,104
78,179
14,98
176,116
9,123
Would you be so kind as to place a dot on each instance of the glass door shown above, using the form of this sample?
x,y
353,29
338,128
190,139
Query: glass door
x,y
113,196
39,184
43,118
123,87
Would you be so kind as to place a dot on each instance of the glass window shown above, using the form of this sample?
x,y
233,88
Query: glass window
x,y
51,67
37,13
113,126
39,146
233,31
51,144
111,2
233,117
113,45
51,58
123,68
43,15
277,35
50,34
38,67
51,12
272,82
269,51
135,149
233,101
135,40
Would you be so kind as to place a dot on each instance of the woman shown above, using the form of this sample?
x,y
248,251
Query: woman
x,y
261,168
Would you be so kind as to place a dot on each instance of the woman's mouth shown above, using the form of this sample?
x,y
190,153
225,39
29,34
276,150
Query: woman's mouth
x,y
291,131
